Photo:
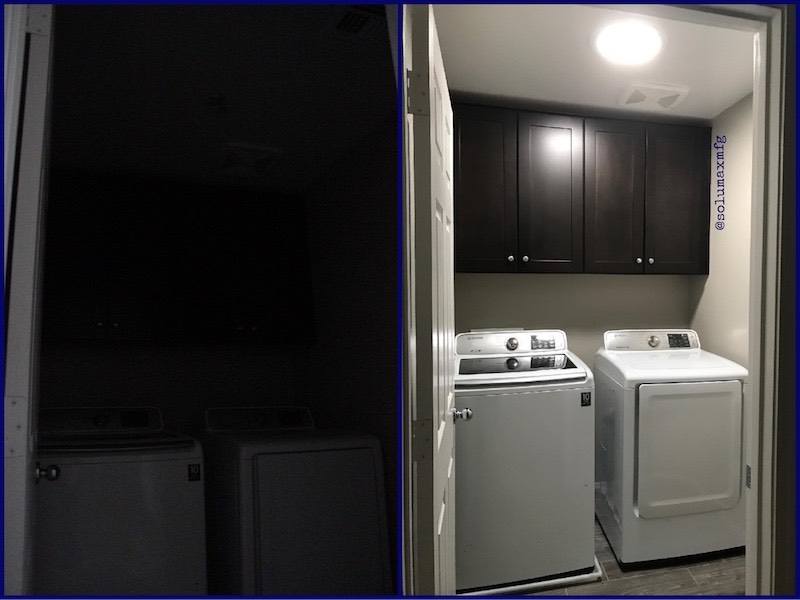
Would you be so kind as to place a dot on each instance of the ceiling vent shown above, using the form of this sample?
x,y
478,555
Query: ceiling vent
x,y
653,96
362,23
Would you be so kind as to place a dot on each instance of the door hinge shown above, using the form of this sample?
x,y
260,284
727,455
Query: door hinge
x,y
417,101
39,19
421,439
16,426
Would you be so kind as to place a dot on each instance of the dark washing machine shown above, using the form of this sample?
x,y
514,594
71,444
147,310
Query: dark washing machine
x,y
120,505
293,510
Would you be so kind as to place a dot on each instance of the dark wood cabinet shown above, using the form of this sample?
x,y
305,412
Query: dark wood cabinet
x,y
518,191
550,207
677,199
77,263
485,189
646,197
147,260
614,196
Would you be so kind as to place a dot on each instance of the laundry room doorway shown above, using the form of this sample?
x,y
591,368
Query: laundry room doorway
x,y
482,300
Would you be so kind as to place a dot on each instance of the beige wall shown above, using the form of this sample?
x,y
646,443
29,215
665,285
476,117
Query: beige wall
x,y
720,303
350,372
182,380
583,305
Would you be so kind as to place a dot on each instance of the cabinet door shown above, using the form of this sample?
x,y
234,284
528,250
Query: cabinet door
x,y
261,270
77,255
550,209
677,199
614,197
148,285
485,189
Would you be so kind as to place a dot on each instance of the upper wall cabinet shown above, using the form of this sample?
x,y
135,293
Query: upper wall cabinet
x,y
677,199
519,191
485,189
614,203
557,194
550,205
646,198
148,260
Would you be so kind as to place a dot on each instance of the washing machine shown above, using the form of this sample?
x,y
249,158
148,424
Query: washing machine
x,y
119,506
670,466
524,463
293,510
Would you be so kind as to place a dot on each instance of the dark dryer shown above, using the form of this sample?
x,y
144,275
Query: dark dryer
x,y
293,510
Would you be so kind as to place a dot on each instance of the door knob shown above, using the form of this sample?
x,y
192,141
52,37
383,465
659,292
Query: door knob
x,y
639,260
525,259
511,258
50,472
466,414
651,260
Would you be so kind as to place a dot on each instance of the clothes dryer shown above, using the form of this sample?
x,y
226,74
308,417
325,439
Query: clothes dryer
x,y
670,470
293,510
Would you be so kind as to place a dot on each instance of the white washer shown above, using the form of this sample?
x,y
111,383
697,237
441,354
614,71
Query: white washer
x,y
524,462
670,454
120,509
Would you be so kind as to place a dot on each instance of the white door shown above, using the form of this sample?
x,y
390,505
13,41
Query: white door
x,y
428,310
22,278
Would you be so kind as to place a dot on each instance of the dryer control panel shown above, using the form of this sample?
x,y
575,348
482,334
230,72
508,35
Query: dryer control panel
x,y
651,339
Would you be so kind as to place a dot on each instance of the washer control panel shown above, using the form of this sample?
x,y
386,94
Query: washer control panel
x,y
510,341
500,364
651,339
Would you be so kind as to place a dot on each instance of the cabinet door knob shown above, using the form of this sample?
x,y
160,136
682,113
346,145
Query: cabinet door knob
x,y
511,258
639,261
651,260
525,259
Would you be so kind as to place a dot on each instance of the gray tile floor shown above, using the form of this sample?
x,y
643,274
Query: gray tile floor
x,y
718,577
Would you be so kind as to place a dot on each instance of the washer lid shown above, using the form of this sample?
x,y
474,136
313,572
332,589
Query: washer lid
x,y
527,369
634,367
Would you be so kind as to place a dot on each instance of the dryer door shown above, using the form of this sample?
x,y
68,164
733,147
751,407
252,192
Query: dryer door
x,y
689,447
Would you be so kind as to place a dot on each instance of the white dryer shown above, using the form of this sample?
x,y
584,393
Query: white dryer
x,y
669,433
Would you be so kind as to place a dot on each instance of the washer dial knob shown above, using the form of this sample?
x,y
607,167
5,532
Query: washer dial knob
x,y
653,341
512,343
512,363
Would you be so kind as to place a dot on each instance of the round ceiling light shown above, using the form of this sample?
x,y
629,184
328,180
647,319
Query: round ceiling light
x,y
628,43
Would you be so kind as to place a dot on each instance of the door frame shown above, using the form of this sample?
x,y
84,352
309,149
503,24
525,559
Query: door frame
x,y
766,383
770,372
23,276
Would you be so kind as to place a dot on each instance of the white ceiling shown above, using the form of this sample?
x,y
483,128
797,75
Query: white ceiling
x,y
543,53
246,95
